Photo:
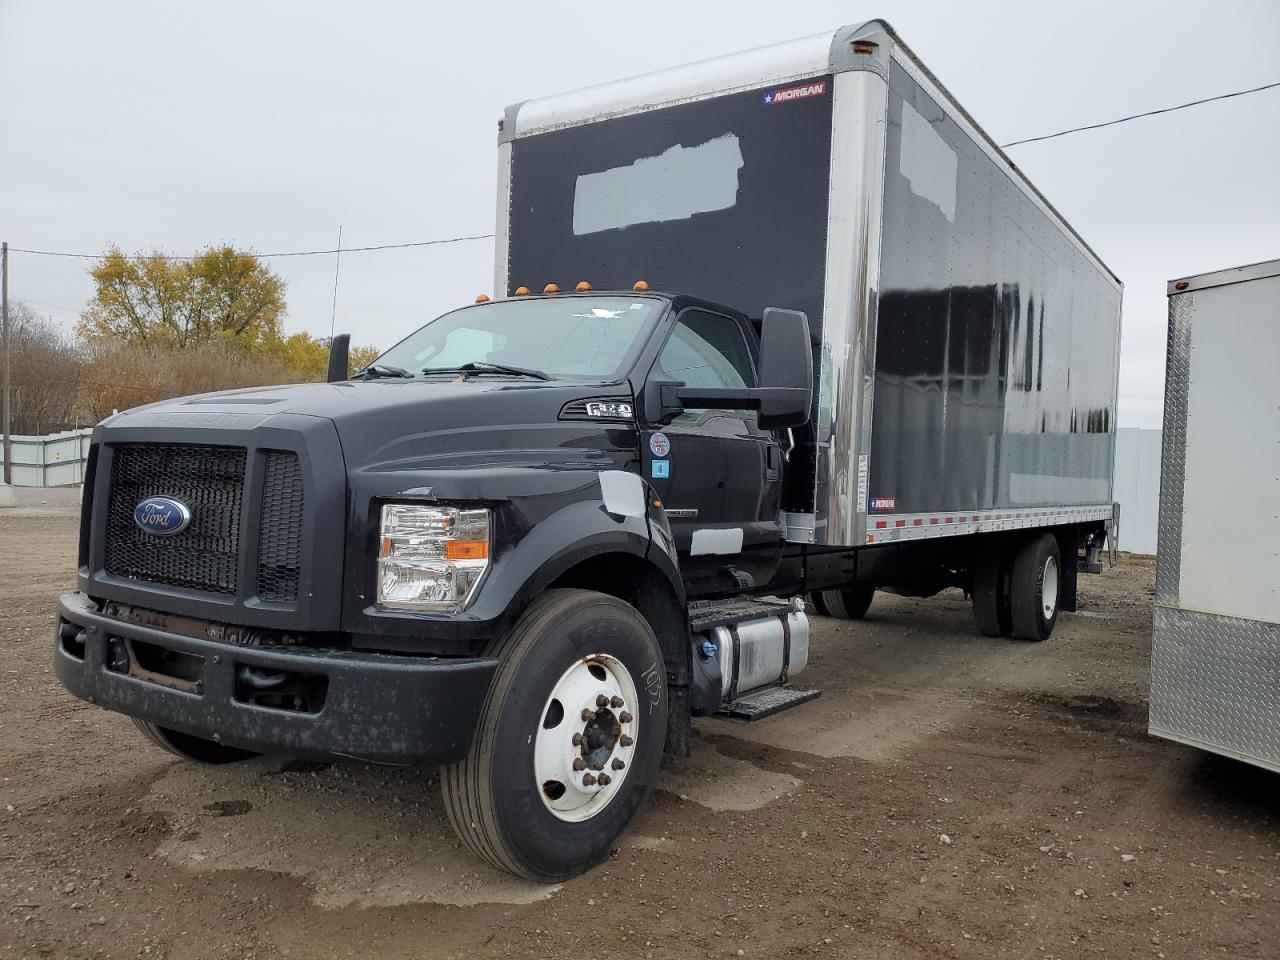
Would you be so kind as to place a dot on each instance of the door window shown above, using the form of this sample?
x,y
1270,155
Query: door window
x,y
707,350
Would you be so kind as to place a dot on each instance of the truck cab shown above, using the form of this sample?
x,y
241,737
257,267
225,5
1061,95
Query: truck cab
x,y
339,569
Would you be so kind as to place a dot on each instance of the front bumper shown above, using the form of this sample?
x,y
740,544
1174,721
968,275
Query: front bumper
x,y
375,707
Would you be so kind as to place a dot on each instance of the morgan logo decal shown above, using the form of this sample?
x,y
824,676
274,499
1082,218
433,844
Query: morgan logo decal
x,y
882,504
787,94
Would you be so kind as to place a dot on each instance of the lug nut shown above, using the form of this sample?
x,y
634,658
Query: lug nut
x,y
588,714
602,701
603,780
625,741
624,717
588,780
579,763
577,739
616,702
618,763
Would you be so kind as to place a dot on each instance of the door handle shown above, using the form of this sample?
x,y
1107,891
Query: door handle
x,y
773,462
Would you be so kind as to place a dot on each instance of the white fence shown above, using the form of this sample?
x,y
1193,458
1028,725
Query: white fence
x,y
1137,488
56,460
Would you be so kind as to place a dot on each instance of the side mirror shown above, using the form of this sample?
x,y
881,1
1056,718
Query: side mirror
x,y
785,394
786,369
339,348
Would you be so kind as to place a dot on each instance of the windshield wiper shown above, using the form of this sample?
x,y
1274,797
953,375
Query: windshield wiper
x,y
375,370
484,366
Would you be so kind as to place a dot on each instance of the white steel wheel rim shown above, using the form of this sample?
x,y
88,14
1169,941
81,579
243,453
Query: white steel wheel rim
x,y
1049,588
582,740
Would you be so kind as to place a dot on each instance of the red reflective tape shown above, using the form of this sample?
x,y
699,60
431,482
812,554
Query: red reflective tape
x,y
899,523
881,524
949,520
932,521
917,522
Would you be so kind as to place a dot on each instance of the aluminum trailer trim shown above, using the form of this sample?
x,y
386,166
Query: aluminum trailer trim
x,y
847,375
1215,653
894,528
1218,278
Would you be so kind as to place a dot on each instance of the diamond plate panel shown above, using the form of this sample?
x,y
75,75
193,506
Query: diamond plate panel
x,y
1177,386
1215,682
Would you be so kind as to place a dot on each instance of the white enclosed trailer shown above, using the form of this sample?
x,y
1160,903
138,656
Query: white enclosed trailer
x,y
1215,659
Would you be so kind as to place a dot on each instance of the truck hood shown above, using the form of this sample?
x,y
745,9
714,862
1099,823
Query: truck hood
x,y
382,423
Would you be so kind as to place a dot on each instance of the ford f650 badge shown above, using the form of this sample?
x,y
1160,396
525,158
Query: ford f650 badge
x,y
162,516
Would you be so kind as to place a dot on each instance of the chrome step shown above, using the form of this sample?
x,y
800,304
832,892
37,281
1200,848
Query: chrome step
x,y
767,701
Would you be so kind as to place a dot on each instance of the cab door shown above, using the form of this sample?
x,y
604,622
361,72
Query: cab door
x,y
718,474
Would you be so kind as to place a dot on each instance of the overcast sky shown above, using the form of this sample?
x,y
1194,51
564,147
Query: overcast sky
x,y
175,125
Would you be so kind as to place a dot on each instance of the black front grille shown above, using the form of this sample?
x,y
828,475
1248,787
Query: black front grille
x,y
280,536
210,481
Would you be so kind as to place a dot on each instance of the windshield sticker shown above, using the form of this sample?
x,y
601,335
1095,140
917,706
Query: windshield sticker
x,y
661,469
674,185
599,313
801,92
659,445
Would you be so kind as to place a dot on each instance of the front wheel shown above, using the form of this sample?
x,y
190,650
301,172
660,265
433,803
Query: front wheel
x,y
569,740
188,747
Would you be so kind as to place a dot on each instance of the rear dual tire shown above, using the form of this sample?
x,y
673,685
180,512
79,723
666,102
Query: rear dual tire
x,y
849,604
1018,595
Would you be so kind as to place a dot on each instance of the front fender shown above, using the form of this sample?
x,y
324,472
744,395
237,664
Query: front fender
x,y
544,523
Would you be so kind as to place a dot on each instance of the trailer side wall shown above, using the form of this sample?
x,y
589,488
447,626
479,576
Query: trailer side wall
x,y
996,344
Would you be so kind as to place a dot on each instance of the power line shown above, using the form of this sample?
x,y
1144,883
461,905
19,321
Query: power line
x,y
1148,113
290,253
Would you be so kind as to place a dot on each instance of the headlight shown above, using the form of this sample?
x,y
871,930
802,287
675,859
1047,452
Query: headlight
x,y
431,558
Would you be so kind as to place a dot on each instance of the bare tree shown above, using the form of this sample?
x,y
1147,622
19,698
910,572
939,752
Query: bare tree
x,y
46,368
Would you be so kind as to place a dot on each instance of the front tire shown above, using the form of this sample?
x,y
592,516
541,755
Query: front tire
x,y
569,740
850,604
188,747
1035,587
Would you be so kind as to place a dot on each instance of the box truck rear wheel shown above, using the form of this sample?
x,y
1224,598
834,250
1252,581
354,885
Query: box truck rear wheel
x,y
819,605
1035,587
850,604
188,747
991,608
569,739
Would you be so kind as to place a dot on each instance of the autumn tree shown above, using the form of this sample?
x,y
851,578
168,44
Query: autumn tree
x,y
221,294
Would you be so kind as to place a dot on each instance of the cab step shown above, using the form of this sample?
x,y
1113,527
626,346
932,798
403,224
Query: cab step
x,y
767,701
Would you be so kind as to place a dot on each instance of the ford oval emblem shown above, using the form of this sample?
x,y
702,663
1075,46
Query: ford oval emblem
x,y
162,516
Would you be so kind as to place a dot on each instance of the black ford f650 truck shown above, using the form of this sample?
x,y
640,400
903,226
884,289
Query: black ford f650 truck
x,y
542,532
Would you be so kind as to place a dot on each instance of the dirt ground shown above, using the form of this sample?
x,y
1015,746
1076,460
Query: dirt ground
x,y
948,795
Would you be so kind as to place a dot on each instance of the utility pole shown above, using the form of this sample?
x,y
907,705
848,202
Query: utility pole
x,y
8,384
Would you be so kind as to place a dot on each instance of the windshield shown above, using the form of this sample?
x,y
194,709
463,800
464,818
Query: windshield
x,y
588,337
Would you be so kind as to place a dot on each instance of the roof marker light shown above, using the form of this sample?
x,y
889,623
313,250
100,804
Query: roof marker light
x,y
582,286
551,288
482,298
522,291
640,285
